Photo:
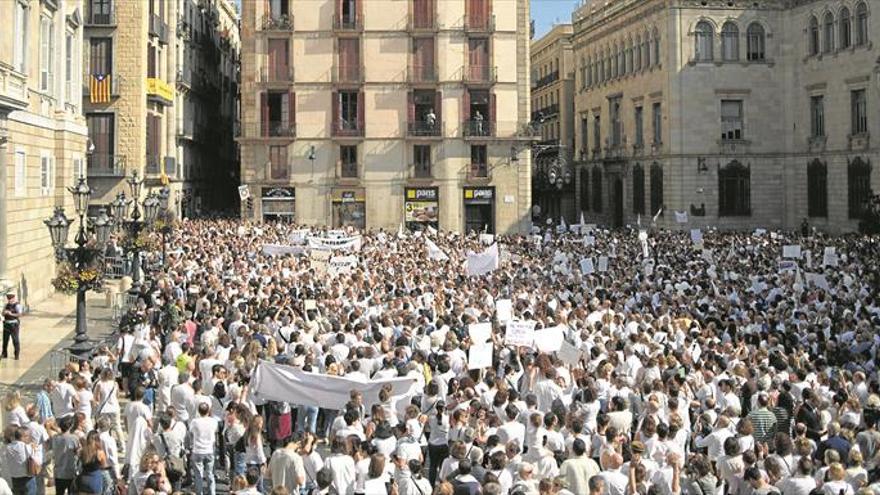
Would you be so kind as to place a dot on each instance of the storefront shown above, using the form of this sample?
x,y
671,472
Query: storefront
x,y
421,207
349,207
278,204
479,209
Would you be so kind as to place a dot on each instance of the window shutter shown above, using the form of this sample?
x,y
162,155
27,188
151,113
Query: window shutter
x,y
438,108
335,109
285,111
264,113
410,108
466,106
359,9
360,112
487,12
492,108
339,11
291,112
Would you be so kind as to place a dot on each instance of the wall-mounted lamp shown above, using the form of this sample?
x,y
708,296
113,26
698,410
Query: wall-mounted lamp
x,y
311,156
514,154
701,165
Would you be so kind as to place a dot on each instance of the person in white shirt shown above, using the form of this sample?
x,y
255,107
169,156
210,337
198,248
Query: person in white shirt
x,y
183,398
512,430
615,481
63,396
286,467
343,468
202,436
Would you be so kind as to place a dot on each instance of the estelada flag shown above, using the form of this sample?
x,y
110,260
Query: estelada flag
x,y
99,88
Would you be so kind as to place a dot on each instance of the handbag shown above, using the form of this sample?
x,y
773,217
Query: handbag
x,y
33,467
175,467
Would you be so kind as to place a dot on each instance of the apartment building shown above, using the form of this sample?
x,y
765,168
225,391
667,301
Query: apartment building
x,y
740,115
42,134
206,100
382,112
553,176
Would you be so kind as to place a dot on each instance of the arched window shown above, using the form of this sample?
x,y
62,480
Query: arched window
x,y
845,29
585,189
858,178
621,61
629,57
588,76
637,56
862,24
817,189
596,71
646,51
729,42
814,36
638,189
828,34
734,196
755,45
703,41
597,190
656,40
656,188
614,65
608,73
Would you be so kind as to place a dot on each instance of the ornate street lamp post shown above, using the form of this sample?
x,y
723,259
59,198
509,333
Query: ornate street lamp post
x,y
83,258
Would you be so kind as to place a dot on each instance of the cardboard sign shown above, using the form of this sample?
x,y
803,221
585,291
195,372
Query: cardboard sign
x,y
569,354
504,310
681,217
696,236
480,356
603,264
520,333
244,192
487,239
549,339
586,266
787,265
829,258
479,332
791,251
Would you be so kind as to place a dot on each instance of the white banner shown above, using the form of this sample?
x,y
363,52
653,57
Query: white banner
x,y
343,264
281,249
482,263
603,263
520,333
434,251
791,251
341,243
287,384
587,266
829,258
549,339
298,237
681,217
696,236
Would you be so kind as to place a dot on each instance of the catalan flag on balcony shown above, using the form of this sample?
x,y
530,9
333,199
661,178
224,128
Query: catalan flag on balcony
x,y
99,88
163,177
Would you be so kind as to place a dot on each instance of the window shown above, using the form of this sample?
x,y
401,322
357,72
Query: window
x,y
278,57
348,110
47,53
755,42
585,189
703,47
859,104
597,189
423,13
828,45
68,68
862,24
585,131
817,189
20,54
47,174
100,11
479,162
817,116
646,51
657,119
348,161
614,66
731,120
733,190
278,162
597,132
629,57
729,42
845,29
638,189
858,178
640,137
277,115
20,173
78,169
102,132
422,161
814,36
656,188
637,55
616,125
278,9
153,60
621,62
100,56
656,40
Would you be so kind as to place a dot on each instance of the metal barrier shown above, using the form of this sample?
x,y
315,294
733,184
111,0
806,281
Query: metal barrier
x,y
115,267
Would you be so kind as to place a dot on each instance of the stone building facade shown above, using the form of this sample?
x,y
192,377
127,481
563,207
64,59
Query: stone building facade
x,y
553,177
42,134
742,115
381,112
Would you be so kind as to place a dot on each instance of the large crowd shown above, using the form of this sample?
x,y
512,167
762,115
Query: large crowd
x,y
705,364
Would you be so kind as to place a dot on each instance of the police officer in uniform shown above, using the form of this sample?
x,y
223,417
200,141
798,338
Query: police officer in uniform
x,y
11,325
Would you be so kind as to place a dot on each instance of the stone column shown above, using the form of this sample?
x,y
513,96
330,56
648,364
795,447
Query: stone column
x,y
4,181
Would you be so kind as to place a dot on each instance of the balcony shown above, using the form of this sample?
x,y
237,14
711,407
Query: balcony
x,y
158,28
477,129
422,74
479,24
420,171
186,130
348,74
271,22
421,24
185,77
345,128
13,88
546,112
478,172
105,165
265,130
480,74
96,89
160,91
96,18
341,23
548,79
153,165
422,128
277,75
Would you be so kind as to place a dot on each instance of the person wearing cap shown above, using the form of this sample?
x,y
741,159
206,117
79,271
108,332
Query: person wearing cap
x,y
12,312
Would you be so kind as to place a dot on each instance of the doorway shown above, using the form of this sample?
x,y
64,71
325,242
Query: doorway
x,y
618,202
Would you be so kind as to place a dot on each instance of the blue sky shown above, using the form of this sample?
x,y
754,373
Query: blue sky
x,y
546,13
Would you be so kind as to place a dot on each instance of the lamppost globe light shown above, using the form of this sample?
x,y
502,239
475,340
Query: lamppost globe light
x,y
119,208
151,208
59,227
134,184
82,193
103,225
